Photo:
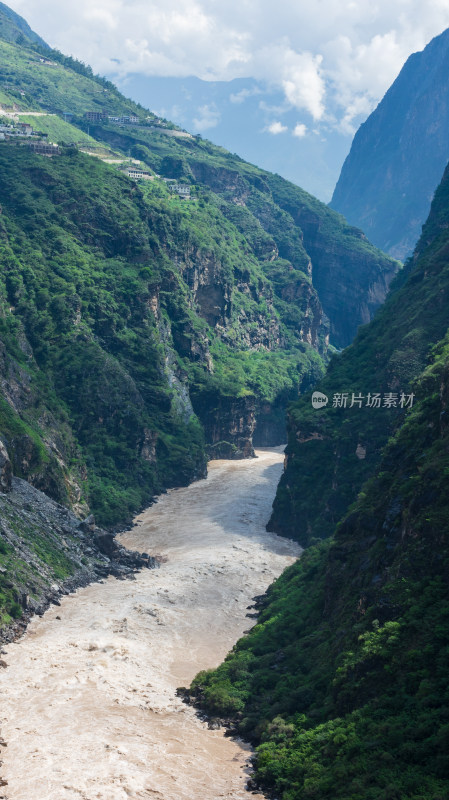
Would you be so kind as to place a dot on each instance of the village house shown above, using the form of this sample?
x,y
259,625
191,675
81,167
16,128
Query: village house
x,y
124,120
95,116
182,189
24,128
44,149
138,174
18,131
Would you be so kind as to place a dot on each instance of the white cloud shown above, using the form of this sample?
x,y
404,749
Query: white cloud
x,y
276,127
333,59
303,83
271,109
300,130
240,97
209,117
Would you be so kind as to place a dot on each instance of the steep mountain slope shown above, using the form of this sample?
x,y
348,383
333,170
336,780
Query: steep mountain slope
x,y
331,451
120,309
352,276
111,327
143,333
398,155
343,682
14,28
243,110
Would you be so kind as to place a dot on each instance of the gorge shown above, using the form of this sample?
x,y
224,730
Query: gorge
x,y
165,306
88,701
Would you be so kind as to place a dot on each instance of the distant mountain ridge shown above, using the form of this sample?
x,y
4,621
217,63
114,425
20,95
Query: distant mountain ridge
x,y
237,114
399,154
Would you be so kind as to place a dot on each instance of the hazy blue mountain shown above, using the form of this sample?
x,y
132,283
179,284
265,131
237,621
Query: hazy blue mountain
x,y
237,114
399,153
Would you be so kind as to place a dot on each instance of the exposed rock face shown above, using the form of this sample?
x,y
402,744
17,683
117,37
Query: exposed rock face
x,y
350,287
270,430
5,469
220,178
217,298
212,294
52,474
50,553
349,278
398,155
148,447
228,424
333,450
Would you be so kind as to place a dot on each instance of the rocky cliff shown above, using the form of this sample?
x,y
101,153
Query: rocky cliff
x,y
398,155
143,333
46,551
136,324
342,683
332,450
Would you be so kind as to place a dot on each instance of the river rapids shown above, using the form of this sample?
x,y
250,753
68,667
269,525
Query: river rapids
x,y
87,704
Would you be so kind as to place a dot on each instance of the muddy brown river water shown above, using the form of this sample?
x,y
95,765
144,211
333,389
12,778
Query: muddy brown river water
x,y
88,705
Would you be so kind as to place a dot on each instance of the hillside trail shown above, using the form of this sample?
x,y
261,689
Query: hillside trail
x,y
88,703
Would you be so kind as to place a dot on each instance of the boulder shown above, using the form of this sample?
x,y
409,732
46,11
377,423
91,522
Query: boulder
x,y
88,524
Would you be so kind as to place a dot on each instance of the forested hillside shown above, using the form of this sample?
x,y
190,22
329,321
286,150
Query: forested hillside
x,y
332,451
109,332
14,28
342,683
215,308
149,323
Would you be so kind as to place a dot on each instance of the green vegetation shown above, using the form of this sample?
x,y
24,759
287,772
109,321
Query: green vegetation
x,y
13,28
30,84
60,131
342,684
102,321
275,216
137,326
121,291
324,471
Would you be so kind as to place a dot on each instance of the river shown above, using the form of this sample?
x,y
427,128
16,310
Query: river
x,y
88,705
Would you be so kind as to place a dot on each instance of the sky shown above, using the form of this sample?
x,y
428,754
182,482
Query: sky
x,y
330,58
327,63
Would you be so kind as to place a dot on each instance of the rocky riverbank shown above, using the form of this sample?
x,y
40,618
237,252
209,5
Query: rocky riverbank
x,y
89,702
38,538
46,552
